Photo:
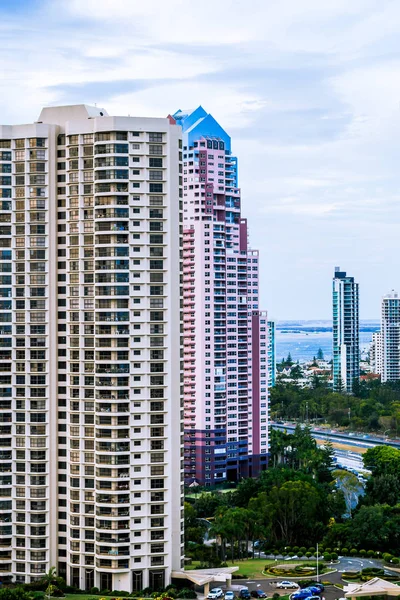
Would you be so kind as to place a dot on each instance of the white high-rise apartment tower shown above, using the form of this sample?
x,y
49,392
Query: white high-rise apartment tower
x,y
91,454
390,338
375,353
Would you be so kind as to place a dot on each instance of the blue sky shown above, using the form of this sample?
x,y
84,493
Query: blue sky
x,y
309,91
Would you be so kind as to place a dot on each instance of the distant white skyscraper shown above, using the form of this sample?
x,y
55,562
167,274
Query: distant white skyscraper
x,y
91,450
375,353
390,337
346,349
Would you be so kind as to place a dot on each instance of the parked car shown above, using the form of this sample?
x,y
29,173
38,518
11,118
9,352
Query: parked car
x,y
316,590
229,595
258,594
319,585
215,593
244,593
283,585
303,594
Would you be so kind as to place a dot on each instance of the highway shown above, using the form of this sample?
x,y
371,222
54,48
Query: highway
x,y
356,440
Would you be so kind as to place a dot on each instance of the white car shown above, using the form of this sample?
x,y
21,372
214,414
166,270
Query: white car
x,y
283,585
229,595
215,593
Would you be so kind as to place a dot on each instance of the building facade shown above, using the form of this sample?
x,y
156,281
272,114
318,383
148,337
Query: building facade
x,y
271,354
91,410
389,358
225,333
346,347
376,354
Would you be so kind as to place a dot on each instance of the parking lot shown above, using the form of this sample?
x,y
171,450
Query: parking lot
x,y
269,587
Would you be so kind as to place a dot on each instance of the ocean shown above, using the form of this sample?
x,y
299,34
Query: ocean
x,y
303,338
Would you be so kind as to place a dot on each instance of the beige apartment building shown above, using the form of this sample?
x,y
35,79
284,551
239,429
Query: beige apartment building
x,y
91,444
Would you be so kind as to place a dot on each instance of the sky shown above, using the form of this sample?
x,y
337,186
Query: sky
x,y
308,90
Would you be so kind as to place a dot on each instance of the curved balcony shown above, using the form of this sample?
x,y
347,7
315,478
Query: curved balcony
x,y
116,566
112,499
108,382
112,434
112,226
112,369
111,213
113,447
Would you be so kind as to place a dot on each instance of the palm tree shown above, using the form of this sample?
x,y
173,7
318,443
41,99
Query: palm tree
x,y
50,580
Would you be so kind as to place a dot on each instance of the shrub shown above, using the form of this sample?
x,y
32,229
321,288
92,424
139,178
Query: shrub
x,y
327,556
94,590
295,549
334,556
376,571
362,553
387,557
370,553
353,552
276,596
309,554
312,550
287,549
351,575
302,550
187,593
345,551
395,560
303,583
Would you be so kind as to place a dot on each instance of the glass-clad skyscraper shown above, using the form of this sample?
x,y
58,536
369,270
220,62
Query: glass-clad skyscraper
x,y
346,347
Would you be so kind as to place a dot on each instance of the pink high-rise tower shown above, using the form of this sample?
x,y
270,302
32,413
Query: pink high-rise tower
x,y
225,333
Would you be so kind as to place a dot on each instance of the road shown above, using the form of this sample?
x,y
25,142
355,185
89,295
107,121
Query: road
x,y
349,459
356,440
330,592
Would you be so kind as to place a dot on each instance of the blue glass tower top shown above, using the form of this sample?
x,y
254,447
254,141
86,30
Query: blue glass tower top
x,y
198,123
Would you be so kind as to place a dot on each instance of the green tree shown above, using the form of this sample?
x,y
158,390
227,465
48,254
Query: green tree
x,y
246,490
383,489
340,387
194,528
296,372
320,354
207,503
382,460
292,510
349,485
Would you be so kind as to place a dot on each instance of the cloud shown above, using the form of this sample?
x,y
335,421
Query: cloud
x,y
308,90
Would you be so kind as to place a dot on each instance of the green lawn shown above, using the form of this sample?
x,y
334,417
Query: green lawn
x,y
253,568
248,569
84,596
